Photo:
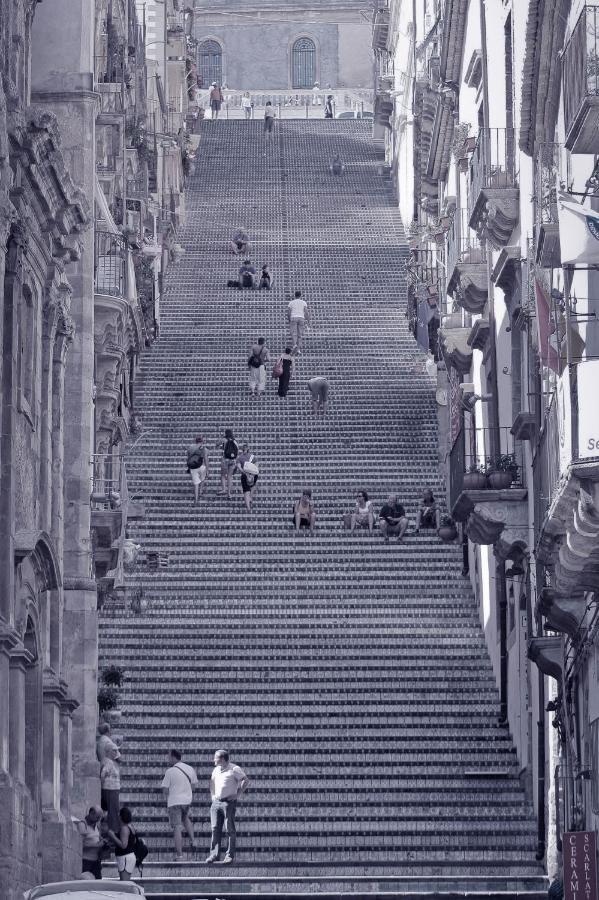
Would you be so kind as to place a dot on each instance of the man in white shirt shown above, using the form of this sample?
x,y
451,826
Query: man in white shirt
x,y
227,784
178,784
298,317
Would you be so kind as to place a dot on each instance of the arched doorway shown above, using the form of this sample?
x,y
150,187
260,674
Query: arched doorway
x,y
210,63
303,63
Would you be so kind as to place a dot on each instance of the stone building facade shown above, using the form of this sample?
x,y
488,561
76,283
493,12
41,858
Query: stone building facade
x,y
91,194
489,112
274,45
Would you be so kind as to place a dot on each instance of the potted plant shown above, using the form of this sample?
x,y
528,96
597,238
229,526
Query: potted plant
x,y
502,471
475,479
447,530
107,698
113,676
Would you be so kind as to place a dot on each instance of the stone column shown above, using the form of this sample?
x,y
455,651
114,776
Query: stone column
x,y
8,640
51,784
62,77
16,683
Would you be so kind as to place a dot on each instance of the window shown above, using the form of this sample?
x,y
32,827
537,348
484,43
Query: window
x,y
303,65
210,63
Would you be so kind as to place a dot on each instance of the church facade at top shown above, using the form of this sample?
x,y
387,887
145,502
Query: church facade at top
x,y
278,45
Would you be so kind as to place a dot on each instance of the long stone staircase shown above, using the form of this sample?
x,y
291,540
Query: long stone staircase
x,y
348,677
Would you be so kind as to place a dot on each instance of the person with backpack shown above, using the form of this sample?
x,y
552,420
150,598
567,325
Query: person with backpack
x,y
257,367
230,451
249,471
197,466
124,844
178,783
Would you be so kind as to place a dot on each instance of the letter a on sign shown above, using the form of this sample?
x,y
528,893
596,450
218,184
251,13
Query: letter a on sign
x,y
580,865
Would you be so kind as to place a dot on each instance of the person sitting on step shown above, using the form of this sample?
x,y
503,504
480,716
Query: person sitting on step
x,y
336,167
247,275
363,514
240,243
429,514
303,512
393,519
265,279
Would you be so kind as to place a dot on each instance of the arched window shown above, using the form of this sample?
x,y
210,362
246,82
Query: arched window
x,y
210,63
303,64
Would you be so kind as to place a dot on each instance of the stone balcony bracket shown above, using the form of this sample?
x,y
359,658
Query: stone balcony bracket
x,y
496,518
454,345
470,284
547,654
479,334
563,613
524,427
495,215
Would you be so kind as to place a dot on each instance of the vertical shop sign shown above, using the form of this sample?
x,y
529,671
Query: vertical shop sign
x,y
580,865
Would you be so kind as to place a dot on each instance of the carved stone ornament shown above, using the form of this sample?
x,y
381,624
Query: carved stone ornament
x,y
547,654
562,613
455,349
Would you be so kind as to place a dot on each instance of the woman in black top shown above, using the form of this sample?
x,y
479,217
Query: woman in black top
x,y
285,376
124,845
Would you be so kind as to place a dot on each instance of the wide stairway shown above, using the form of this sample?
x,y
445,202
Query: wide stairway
x,y
348,677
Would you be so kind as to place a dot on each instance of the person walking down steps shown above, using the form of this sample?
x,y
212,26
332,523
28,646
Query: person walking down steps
x,y
227,784
298,316
257,360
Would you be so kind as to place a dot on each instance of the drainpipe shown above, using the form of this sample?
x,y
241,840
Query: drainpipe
x,y
541,760
501,590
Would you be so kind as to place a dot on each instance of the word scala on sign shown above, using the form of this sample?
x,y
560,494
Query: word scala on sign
x,y
580,865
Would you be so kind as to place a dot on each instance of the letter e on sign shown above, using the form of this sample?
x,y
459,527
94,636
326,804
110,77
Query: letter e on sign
x,y
580,865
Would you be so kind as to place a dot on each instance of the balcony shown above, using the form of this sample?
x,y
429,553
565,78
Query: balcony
x,y
580,65
467,275
566,476
493,189
110,264
546,218
487,489
380,28
384,104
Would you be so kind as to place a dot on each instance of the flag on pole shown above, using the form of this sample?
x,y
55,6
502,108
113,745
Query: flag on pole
x,y
578,231
547,350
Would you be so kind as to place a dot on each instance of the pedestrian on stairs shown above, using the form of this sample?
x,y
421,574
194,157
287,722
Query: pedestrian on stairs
x,y
257,360
216,99
177,785
110,786
393,519
230,451
197,466
240,242
227,783
246,465
298,316
284,368
336,167
265,282
269,120
319,391
247,275
303,512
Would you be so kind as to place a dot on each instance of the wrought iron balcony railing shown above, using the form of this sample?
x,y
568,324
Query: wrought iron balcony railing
x,y
110,264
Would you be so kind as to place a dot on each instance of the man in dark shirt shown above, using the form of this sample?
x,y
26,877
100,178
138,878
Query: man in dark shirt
x,y
247,274
393,519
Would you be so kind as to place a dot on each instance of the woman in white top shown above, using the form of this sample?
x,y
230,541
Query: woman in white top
x,y
246,105
363,514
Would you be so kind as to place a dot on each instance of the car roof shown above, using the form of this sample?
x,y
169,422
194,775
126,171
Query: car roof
x,y
85,890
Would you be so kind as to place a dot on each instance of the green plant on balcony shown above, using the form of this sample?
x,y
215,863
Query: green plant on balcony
x,y
475,479
502,470
113,676
107,698
447,530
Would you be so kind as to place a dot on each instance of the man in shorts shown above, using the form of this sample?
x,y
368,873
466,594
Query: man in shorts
x,y
178,784
319,391
216,99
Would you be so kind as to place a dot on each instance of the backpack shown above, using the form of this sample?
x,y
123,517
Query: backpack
x,y
231,449
255,360
140,848
247,279
195,459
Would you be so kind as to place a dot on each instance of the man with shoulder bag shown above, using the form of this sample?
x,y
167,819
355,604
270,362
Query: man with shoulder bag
x,y
178,783
197,466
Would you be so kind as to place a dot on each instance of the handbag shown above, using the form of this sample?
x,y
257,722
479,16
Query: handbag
x,y
277,369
